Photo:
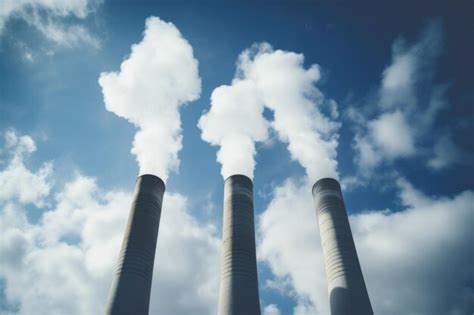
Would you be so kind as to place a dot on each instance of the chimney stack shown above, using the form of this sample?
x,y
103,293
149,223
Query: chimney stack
x,y
346,286
131,286
238,292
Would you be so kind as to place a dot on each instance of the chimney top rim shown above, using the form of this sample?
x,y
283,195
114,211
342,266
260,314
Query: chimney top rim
x,y
151,177
323,180
238,176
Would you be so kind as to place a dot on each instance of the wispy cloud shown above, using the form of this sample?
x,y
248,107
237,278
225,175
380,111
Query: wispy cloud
x,y
402,118
60,22
271,309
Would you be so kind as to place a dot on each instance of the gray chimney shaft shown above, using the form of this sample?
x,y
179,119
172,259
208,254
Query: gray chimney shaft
x,y
131,286
238,292
346,286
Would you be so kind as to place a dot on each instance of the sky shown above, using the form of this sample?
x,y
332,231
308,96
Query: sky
x,y
94,93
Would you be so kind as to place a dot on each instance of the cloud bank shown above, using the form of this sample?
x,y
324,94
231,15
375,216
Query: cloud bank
x,y
17,182
62,262
415,261
159,76
278,80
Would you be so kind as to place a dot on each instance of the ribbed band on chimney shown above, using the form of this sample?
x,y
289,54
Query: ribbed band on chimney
x,y
238,292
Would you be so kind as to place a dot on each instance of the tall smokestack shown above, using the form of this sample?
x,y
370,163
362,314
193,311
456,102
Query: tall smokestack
x,y
238,292
346,286
130,292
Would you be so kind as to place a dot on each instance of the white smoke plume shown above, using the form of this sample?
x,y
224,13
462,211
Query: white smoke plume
x,y
289,90
235,122
159,76
278,80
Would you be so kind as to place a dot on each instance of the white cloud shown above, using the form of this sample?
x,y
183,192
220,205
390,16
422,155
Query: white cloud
x,y
392,135
424,250
271,309
187,262
304,308
278,80
29,56
289,244
407,104
409,66
48,17
397,82
415,261
159,76
68,35
445,153
367,158
78,8
63,263
17,182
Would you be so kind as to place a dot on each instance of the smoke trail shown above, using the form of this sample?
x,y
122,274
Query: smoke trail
x,y
159,76
278,80
235,122
289,90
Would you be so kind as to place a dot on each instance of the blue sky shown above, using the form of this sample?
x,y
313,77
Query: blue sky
x,y
400,74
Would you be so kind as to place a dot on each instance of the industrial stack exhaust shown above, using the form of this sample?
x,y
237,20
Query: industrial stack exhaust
x,y
346,286
131,286
238,291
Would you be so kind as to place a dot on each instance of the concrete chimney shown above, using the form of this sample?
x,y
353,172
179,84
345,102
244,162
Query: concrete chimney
x,y
346,286
238,291
130,292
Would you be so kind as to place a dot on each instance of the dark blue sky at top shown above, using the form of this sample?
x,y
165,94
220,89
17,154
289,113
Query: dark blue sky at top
x,y
58,101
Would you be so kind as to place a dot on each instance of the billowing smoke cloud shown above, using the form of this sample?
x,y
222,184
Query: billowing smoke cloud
x,y
289,90
235,122
160,75
278,80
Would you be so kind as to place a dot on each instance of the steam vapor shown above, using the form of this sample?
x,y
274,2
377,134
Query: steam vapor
x,y
278,80
159,76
